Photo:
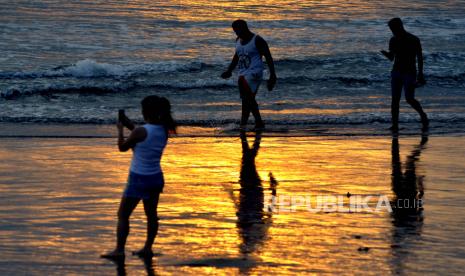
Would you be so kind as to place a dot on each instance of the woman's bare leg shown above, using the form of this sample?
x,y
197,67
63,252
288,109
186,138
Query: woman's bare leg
x,y
127,205
150,208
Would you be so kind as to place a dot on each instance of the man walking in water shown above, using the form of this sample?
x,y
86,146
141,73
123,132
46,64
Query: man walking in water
x,y
249,51
405,51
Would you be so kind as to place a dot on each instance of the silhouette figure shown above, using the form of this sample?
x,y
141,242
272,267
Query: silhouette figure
x,y
148,264
407,204
120,264
405,50
252,220
145,180
249,51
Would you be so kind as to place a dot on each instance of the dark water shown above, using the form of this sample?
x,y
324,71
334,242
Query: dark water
x,y
78,62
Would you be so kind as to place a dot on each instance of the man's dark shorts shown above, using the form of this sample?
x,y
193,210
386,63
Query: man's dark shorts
x,y
406,81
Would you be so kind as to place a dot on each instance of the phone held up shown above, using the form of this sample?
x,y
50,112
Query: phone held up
x,y
121,115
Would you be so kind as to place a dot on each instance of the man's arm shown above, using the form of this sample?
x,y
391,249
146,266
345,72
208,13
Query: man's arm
x,y
421,77
232,65
390,55
264,50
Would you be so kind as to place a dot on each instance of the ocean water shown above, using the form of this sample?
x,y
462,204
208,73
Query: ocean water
x,y
81,61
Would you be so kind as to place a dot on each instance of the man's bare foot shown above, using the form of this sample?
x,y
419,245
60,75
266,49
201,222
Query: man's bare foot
x,y
394,128
259,126
144,253
424,122
115,254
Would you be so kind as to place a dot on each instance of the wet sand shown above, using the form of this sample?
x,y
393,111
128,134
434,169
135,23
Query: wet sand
x,y
59,197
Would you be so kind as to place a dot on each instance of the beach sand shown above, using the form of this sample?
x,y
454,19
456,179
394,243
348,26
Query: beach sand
x,y
59,197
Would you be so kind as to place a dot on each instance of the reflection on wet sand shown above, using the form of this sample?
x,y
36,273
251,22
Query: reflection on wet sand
x,y
252,221
63,212
120,264
407,205
149,266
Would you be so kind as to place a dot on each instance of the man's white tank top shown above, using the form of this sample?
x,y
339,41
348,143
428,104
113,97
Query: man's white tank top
x,y
147,154
250,60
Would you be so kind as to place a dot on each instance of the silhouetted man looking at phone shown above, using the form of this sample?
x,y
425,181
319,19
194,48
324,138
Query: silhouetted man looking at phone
x,y
405,50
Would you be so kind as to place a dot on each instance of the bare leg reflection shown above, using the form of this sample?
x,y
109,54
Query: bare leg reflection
x,y
120,266
407,204
252,221
148,264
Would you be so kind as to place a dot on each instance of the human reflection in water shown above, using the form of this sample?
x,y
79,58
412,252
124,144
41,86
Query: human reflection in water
x,y
121,265
252,221
407,205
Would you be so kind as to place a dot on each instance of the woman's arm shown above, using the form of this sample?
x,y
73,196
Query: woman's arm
x,y
137,135
127,122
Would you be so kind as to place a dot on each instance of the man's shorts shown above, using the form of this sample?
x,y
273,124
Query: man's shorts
x,y
403,80
253,81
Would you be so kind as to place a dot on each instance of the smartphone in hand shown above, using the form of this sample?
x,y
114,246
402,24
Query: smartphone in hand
x,y
121,115
123,119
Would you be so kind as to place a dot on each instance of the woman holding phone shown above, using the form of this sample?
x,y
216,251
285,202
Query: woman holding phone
x,y
145,180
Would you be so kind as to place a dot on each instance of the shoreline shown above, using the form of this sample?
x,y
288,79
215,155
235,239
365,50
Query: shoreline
x,y
89,131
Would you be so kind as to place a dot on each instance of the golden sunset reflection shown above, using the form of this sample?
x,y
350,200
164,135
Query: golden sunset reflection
x,y
212,216
207,10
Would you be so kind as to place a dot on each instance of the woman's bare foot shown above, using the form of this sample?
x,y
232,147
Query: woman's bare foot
x,y
115,254
143,253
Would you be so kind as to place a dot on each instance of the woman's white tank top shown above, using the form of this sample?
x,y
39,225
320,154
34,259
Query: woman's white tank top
x,y
147,154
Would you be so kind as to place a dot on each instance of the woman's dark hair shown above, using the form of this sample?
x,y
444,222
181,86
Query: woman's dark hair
x,y
158,110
